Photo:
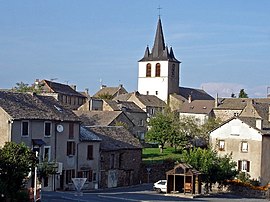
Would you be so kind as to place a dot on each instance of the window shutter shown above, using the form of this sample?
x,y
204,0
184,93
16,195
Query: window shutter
x,y
90,152
239,165
248,166
71,130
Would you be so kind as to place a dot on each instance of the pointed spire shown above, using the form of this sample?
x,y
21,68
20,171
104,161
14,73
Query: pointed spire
x,y
159,44
171,53
166,52
146,53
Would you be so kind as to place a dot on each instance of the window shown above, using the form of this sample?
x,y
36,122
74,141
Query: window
x,y
90,152
47,129
86,174
221,145
141,123
244,166
69,175
244,146
158,70
112,161
148,70
47,153
25,128
71,131
70,148
151,111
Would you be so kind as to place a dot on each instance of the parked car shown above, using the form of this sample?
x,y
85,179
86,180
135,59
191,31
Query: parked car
x,y
160,186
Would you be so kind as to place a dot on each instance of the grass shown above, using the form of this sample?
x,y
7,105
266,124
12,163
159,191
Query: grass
x,y
151,155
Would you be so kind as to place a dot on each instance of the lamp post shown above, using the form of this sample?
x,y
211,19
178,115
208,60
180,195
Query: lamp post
x,y
35,181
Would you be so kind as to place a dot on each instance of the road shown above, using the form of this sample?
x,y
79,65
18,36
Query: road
x,y
141,193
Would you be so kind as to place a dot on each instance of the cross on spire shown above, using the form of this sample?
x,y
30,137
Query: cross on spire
x,y
159,8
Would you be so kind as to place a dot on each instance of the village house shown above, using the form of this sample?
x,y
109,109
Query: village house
x,y
65,94
44,125
151,104
247,138
109,92
120,156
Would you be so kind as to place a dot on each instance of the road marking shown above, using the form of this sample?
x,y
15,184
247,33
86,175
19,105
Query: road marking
x,y
114,197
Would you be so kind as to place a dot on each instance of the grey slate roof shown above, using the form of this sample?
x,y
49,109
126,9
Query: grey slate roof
x,y
61,88
238,103
115,138
196,94
159,50
99,118
32,106
197,107
118,105
87,135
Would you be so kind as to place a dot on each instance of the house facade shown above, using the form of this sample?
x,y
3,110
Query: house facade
x,y
247,139
44,125
120,156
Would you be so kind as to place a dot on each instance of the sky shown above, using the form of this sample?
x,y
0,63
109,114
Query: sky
x,y
224,46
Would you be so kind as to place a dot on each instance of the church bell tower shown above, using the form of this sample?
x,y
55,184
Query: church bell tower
x,y
159,69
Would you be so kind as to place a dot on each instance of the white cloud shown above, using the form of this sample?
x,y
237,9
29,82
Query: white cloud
x,y
226,89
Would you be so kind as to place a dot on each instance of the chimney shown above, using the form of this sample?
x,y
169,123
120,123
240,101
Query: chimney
x,y
103,86
216,101
259,123
73,87
86,91
189,99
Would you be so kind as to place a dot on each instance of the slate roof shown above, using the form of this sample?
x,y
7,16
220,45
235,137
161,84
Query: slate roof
x,y
98,118
115,138
159,50
61,88
197,107
118,105
238,103
113,91
32,106
196,94
87,135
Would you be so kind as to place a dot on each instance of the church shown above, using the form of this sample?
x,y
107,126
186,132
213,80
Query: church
x,y
159,73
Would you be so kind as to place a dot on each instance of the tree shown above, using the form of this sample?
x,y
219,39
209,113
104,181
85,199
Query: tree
x,y
208,126
16,161
105,96
242,94
208,162
24,87
161,128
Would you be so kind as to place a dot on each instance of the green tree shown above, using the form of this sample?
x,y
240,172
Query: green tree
x,y
24,87
16,161
209,125
208,162
161,128
242,94
105,96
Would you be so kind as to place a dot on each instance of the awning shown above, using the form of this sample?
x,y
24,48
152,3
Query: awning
x,y
38,142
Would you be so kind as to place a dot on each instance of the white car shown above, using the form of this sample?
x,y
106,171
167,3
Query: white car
x,y
160,186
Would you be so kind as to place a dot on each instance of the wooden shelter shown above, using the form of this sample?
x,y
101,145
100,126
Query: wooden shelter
x,y
183,179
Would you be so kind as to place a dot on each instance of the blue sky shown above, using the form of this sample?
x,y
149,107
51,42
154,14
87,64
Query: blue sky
x,y
223,45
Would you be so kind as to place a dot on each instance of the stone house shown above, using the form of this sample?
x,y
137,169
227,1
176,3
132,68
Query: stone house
x,y
104,118
89,158
226,108
120,156
65,94
133,112
151,104
44,125
248,140
201,110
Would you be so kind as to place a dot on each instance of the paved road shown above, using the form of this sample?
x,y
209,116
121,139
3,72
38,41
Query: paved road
x,y
142,193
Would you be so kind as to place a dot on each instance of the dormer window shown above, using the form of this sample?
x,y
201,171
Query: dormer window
x,y
148,70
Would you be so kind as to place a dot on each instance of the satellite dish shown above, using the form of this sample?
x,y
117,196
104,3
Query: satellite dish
x,y
59,128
